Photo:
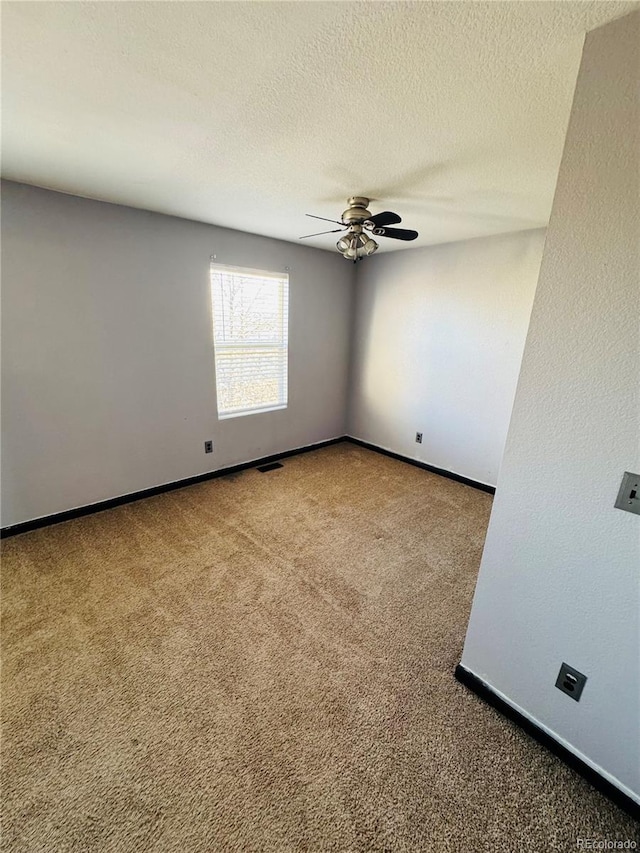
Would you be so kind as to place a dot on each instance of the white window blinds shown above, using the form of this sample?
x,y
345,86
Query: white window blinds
x,y
250,334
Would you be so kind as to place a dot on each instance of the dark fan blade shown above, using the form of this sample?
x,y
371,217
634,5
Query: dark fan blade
x,y
385,218
396,233
313,216
333,231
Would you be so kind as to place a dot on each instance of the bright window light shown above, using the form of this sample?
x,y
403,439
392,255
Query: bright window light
x,y
250,336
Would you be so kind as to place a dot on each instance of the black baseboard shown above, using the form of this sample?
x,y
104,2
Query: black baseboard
x,y
481,689
110,503
425,467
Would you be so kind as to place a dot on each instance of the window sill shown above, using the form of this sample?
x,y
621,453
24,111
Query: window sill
x,y
227,415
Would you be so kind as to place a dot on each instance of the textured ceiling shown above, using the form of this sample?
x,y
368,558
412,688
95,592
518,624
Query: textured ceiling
x,y
249,115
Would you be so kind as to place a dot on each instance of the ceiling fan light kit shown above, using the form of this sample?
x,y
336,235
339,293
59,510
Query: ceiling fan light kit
x,y
356,220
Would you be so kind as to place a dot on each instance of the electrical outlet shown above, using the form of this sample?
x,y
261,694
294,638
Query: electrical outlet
x,y
208,447
570,681
419,438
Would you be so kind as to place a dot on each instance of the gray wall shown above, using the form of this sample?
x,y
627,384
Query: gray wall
x,y
560,578
437,343
108,373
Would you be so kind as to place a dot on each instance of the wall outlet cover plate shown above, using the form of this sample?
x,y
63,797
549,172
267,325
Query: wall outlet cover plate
x,y
571,681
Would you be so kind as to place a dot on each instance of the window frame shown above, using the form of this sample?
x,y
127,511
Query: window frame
x,y
281,345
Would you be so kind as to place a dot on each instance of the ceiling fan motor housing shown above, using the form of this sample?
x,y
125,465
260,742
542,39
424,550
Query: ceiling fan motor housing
x,y
357,210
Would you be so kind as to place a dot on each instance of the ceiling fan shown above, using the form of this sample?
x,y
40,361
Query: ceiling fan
x,y
356,221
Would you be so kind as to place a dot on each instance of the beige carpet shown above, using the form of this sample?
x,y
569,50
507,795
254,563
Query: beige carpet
x,y
264,662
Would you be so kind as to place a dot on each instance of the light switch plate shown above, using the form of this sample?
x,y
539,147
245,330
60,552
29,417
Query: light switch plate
x,y
629,495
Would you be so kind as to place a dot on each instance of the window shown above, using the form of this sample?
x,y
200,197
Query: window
x,y
250,336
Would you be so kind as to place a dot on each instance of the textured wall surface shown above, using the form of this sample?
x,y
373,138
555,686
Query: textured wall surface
x,y
108,382
437,344
249,115
559,579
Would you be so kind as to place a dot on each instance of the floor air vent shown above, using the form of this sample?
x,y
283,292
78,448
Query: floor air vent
x,y
270,467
